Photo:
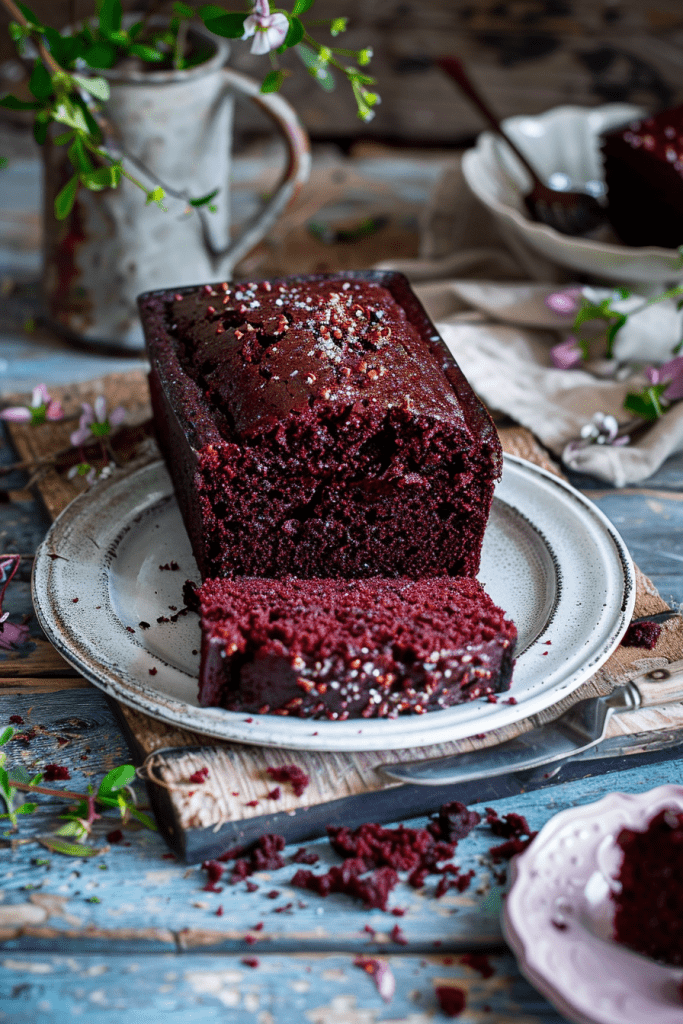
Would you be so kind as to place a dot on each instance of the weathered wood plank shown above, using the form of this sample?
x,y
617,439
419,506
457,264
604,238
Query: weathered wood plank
x,y
324,989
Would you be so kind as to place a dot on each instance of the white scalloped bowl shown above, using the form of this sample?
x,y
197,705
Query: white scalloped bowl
x,y
562,140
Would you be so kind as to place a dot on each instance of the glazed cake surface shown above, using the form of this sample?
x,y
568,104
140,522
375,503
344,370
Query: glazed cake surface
x,y
649,909
644,177
337,649
319,427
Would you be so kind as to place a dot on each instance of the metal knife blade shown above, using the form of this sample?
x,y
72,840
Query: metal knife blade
x,y
581,727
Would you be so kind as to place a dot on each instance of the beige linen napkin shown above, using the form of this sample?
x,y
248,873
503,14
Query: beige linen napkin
x,y
502,334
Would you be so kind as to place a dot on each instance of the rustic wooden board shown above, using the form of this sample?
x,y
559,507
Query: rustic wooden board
x,y
233,801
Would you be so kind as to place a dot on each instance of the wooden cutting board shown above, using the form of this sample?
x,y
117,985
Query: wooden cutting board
x,y
232,806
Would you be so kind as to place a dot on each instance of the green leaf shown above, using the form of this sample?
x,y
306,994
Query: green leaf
x,y
20,774
25,808
110,13
301,6
100,55
79,157
58,845
17,32
6,735
12,103
231,26
39,131
97,87
65,199
4,162
294,35
272,81
146,53
338,25
40,82
214,11
28,13
5,787
143,818
183,10
619,321
155,196
73,827
103,177
316,68
646,403
71,115
116,779
204,200
61,140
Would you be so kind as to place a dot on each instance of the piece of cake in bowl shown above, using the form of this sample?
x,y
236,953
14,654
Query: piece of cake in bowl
x,y
318,427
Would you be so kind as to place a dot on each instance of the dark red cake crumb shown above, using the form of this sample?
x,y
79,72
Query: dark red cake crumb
x,y
143,624
152,671
250,939
649,908
396,935
273,894
170,566
642,634
215,873
201,775
219,911
453,822
263,855
252,803
252,887
62,741
373,888
453,880
478,962
16,719
304,856
250,961
130,629
115,836
275,794
55,773
507,826
398,911
452,1000
75,600
290,773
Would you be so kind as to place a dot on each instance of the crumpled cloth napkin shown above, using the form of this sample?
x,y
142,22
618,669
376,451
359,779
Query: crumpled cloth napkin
x,y
499,329
501,335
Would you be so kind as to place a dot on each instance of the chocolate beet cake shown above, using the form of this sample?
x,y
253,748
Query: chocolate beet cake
x,y
318,427
337,649
644,178
649,908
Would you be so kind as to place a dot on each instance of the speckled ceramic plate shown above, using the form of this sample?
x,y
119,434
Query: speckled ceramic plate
x,y
551,559
558,917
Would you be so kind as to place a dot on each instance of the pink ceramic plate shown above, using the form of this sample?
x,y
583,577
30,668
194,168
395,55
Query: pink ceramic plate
x,y
558,915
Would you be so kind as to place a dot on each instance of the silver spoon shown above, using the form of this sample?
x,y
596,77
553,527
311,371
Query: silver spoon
x,y
570,213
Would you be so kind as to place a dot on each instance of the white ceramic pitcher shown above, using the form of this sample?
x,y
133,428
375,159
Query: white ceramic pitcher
x,y
174,129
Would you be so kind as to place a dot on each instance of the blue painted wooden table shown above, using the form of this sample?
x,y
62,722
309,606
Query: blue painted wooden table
x,y
133,934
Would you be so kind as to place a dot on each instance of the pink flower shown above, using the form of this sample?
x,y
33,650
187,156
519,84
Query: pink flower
x,y
94,422
11,634
567,354
564,303
671,373
43,407
269,30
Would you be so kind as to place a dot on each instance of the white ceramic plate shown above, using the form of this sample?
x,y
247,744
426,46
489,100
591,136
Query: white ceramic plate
x,y
564,878
551,559
564,139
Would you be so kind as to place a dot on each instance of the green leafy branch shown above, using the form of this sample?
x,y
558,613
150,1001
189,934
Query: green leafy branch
x,y
114,791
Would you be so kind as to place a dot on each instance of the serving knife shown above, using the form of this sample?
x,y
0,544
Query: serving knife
x,y
581,727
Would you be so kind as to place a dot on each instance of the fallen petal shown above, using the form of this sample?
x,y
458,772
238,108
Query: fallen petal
x,y
16,414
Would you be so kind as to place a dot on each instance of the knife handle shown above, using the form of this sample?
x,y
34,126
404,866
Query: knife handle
x,y
661,685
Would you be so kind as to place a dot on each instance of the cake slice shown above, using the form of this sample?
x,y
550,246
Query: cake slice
x,y
338,649
644,177
318,427
649,908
